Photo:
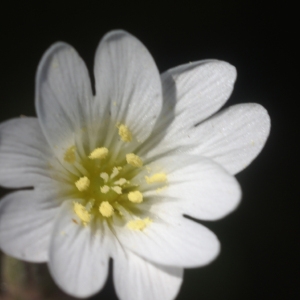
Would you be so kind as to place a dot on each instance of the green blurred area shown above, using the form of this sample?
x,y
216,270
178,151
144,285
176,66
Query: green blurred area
x,y
27,281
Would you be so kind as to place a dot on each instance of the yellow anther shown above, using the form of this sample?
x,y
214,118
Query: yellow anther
x,y
134,160
104,189
82,184
117,189
106,209
114,172
121,181
99,153
70,155
125,133
156,178
135,197
104,176
138,224
82,213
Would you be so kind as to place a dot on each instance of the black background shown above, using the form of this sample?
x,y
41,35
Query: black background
x,y
260,240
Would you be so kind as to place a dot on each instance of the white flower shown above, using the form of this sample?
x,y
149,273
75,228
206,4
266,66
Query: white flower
x,y
113,174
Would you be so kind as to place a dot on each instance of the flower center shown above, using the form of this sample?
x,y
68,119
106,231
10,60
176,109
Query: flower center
x,y
108,192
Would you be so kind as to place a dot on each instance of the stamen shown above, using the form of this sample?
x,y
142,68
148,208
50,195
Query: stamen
x,y
125,133
122,211
90,205
80,168
82,184
104,176
156,178
99,153
134,160
121,181
135,197
82,213
115,172
138,224
106,209
70,155
104,189
117,189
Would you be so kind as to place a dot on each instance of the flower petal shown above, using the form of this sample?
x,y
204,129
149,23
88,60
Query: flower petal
x,y
128,84
24,153
78,258
201,88
172,241
136,278
191,93
26,219
197,186
63,96
233,137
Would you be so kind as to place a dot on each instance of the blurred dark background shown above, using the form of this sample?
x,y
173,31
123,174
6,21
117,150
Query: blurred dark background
x,y
260,240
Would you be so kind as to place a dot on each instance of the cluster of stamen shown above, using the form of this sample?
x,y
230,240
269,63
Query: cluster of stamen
x,y
105,191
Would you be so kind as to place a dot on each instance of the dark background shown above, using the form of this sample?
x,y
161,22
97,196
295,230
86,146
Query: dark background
x,y
260,240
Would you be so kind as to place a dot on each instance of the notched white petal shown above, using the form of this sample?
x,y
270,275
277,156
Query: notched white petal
x,y
24,153
26,221
201,89
191,93
63,97
172,241
78,258
128,84
135,278
197,187
233,137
